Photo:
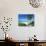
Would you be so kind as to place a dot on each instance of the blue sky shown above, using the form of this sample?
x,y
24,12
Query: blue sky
x,y
23,17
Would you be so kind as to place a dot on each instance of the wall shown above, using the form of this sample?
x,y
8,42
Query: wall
x,y
11,8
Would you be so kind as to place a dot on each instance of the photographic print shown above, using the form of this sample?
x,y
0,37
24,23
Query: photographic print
x,y
26,19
